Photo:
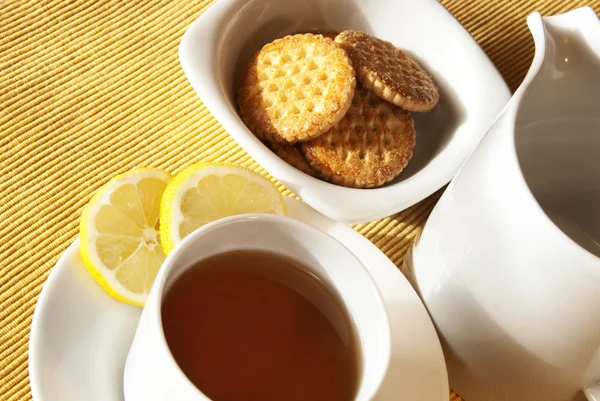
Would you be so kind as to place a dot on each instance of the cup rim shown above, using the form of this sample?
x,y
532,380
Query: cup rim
x,y
167,265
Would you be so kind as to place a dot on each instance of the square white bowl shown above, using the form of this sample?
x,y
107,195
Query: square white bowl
x,y
219,44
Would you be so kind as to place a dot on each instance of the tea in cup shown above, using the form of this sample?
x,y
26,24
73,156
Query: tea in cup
x,y
260,308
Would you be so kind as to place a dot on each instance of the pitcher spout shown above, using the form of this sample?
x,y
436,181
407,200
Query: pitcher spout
x,y
564,78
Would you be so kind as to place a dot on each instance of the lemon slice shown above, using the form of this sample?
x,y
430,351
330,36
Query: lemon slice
x,y
206,192
119,234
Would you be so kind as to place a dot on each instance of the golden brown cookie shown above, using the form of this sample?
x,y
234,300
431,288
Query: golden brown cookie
x,y
292,155
389,72
296,88
369,147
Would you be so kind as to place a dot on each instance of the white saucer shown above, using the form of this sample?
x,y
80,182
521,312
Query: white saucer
x,y
80,336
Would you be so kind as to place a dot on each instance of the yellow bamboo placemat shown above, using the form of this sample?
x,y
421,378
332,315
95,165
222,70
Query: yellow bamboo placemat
x,y
90,89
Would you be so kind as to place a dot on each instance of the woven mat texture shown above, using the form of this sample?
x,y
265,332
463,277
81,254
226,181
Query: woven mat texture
x,y
89,89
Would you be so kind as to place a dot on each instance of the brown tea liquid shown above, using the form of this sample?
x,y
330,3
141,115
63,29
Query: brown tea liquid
x,y
253,326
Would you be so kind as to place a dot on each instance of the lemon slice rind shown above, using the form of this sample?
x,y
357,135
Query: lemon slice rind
x,y
88,234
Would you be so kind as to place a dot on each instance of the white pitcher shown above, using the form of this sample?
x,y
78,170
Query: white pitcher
x,y
508,264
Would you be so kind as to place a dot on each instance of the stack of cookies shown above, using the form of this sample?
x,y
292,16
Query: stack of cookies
x,y
299,95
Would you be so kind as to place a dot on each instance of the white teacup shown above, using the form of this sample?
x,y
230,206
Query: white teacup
x,y
151,373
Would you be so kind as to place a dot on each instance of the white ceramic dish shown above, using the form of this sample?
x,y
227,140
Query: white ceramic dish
x,y
80,336
221,41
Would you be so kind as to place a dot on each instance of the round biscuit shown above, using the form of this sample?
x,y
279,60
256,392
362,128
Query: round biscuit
x,y
296,88
369,147
291,154
389,72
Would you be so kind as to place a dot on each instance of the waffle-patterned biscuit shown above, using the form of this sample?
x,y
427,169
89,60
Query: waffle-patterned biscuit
x,y
370,146
296,88
292,155
389,72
